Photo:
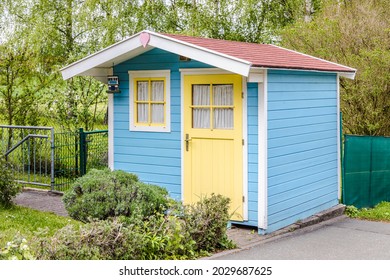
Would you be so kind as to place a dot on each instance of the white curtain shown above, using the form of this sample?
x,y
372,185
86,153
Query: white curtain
x,y
157,95
142,95
223,96
200,97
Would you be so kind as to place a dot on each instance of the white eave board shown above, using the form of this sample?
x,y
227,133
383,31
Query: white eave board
x,y
132,47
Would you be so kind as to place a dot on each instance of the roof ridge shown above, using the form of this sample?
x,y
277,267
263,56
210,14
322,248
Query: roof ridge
x,y
216,39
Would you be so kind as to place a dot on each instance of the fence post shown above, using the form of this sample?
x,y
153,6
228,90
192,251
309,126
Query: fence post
x,y
83,156
52,144
342,146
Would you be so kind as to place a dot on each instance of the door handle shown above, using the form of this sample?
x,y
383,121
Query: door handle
x,y
187,140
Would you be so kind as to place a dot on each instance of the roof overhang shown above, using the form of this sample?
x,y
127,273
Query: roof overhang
x,y
349,75
99,64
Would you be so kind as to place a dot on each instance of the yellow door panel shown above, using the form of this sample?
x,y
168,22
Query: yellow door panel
x,y
213,133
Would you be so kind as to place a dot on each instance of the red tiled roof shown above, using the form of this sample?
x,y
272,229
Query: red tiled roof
x,y
264,55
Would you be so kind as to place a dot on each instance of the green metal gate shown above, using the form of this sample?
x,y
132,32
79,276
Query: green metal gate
x,y
366,166
53,160
30,152
76,153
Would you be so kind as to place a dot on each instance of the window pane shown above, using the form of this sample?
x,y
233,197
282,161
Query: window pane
x,y
142,113
200,95
223,118
158,113
157,90
142,91
223,95
200,118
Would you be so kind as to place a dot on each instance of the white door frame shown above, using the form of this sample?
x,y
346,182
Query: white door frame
x,y
206,71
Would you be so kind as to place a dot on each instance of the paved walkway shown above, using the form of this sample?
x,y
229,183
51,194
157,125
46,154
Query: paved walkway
x,y
340,238
41,200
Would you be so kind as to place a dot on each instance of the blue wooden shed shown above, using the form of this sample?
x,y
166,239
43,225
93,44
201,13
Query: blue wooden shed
x,y
255,122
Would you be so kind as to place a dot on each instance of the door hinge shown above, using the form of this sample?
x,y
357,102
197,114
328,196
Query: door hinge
x,y
243,198
242,95
243,142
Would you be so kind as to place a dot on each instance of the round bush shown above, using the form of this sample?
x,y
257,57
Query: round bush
x,y
101,194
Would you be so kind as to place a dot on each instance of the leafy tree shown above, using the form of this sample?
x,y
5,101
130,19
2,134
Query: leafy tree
x,y
22,70
357,34
39,37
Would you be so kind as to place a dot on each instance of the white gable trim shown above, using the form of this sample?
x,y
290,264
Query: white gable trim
x,y
105,58
95,64
219,60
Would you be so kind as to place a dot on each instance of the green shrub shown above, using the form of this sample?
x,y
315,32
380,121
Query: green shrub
x,y
198,230
101,194
98,240
17,249
165,238
351,211
155,239
8,188
206,222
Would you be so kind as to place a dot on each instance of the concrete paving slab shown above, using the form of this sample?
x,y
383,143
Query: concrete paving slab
x,y
337,239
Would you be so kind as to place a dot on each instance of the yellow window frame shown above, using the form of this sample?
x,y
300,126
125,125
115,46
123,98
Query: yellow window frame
x,y
149,101
212,106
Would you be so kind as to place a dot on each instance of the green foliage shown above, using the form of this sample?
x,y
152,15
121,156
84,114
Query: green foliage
x,y
351,211
102,194
22,221
184,232
157,238
17,249
381,212
206,221
353,33
8,188
39,37
165,238
199,230
96,240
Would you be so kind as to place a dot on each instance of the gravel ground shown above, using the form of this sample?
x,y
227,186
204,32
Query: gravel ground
x,y
41,200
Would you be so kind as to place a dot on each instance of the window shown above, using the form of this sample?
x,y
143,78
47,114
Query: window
x,y
212,106
150,100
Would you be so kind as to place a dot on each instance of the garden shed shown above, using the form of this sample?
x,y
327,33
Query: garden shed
x,y
255,122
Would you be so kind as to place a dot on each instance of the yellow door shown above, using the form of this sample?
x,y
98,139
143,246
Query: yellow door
x,y
213,139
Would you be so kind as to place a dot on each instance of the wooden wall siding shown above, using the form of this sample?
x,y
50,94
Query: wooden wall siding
x,y
252,112
302,145
153,156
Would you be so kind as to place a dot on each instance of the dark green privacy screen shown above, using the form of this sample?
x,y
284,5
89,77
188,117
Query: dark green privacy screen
x,y
366,180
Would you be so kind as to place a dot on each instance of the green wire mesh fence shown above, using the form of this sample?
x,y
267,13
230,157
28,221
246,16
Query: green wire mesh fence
x,y
52,160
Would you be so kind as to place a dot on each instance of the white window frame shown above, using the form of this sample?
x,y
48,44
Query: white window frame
x,y
133,75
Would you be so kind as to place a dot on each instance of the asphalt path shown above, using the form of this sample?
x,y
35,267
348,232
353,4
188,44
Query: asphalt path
x,y
338,239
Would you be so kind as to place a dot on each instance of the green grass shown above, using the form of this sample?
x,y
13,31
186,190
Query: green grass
x,y
25,222
380,212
